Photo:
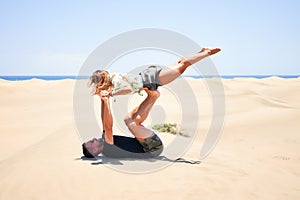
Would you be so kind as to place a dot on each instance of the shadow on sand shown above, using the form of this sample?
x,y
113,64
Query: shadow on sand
x,y
118,161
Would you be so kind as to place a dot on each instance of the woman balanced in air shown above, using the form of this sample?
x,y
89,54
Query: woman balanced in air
x,y
151,78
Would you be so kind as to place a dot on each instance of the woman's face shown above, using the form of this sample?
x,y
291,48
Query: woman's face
x,y
94,146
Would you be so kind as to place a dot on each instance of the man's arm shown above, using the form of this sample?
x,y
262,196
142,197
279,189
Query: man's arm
x,y
106,116
102,113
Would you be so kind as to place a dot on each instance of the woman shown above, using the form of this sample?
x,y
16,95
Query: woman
x,y
151,78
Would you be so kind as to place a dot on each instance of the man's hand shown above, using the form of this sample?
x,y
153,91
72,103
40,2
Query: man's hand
x,y
104,95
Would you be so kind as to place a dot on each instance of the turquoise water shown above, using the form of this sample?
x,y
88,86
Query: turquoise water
x,y
48,78
249,76
20,78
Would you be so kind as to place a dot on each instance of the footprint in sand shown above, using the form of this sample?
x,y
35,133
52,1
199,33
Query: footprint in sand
x,y
282,157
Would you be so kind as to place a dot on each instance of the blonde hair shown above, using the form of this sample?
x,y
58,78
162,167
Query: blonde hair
x,y
100,80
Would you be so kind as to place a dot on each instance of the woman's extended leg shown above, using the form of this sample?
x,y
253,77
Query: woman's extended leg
x,y
174,71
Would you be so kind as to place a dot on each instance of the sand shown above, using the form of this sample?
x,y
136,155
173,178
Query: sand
x,y
257,156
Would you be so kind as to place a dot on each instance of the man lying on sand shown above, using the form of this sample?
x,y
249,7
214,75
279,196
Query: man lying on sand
x,y
146,143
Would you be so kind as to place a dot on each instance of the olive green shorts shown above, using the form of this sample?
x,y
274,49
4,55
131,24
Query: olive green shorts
x,y
152,145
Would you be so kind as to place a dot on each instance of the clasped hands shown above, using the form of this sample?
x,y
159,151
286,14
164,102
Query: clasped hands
x,y
104,95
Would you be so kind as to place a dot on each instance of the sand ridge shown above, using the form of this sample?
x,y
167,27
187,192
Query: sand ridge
x,y
257,156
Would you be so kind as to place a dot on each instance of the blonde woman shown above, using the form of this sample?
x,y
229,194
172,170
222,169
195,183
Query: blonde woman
x,y
151,78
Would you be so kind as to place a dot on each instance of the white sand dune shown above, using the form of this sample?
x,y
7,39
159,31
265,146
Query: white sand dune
x,y
257,157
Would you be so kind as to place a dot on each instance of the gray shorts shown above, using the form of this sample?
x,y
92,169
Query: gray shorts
x,y
150,77
152,145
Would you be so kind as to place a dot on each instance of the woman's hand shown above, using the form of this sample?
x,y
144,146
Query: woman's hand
x,y
104,95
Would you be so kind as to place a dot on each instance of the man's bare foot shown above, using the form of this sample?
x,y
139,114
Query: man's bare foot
x,y
210,50
152,93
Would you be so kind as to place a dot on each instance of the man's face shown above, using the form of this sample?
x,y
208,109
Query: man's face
x,y
94,146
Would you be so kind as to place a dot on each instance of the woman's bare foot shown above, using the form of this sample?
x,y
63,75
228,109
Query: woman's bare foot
x,y
210,50
151,93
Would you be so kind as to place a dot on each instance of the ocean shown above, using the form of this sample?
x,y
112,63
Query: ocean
x,y
21,78
47,78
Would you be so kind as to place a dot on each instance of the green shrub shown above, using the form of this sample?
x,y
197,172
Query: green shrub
x,y
168,127
172,128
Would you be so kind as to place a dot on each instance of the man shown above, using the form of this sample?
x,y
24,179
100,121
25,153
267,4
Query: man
x,y
146,143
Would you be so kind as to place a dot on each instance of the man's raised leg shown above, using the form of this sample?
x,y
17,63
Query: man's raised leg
x,y
138,115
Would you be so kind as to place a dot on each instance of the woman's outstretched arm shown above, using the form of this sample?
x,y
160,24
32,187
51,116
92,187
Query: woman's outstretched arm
x,y
122,91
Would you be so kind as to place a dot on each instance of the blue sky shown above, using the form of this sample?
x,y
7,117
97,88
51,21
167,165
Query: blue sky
x,y
55,37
